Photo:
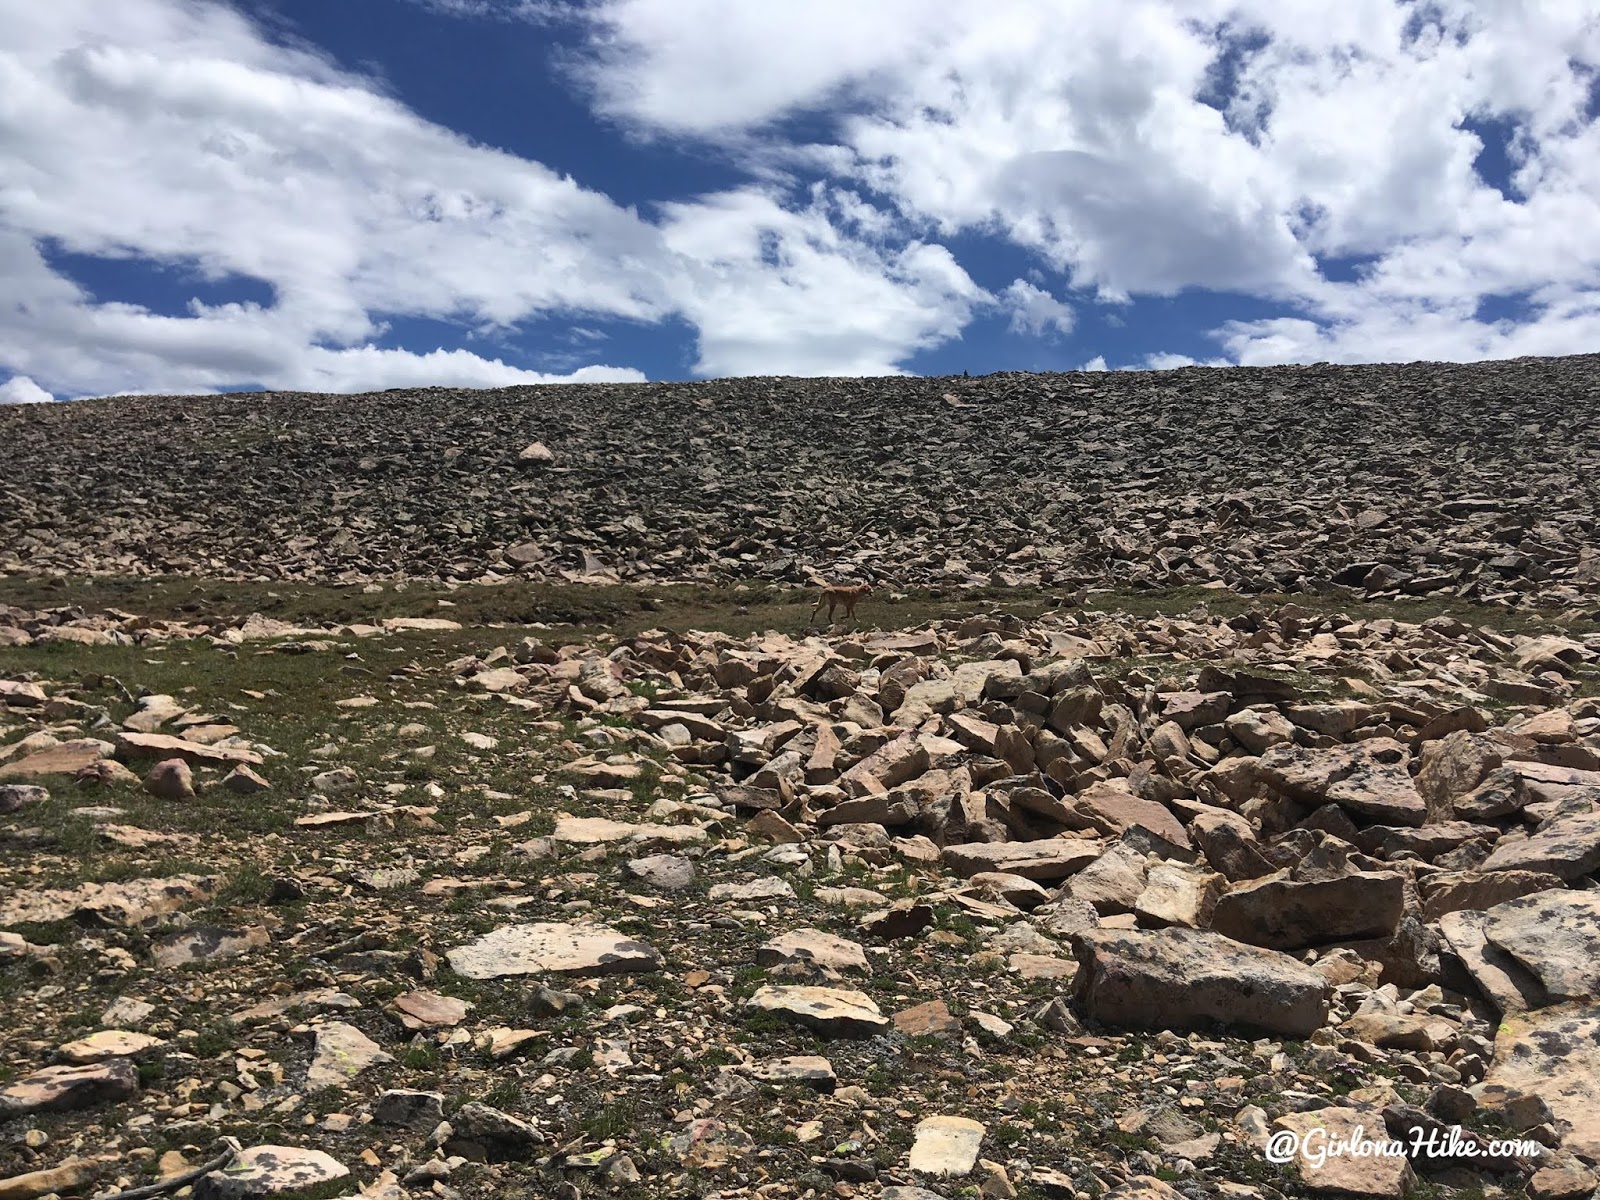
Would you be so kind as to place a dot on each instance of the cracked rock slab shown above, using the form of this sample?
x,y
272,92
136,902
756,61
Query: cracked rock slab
x,y
207,942
114,903
1504,981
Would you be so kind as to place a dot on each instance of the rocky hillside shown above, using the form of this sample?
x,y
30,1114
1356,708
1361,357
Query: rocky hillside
x,y
1421,479
1076,907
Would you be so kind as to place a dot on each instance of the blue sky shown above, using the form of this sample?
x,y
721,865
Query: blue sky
x,y
294,194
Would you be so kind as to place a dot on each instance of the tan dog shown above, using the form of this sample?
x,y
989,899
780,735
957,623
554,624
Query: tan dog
x,y
845,594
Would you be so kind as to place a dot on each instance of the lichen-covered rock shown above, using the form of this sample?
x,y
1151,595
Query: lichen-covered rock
x,y
269,1171
65,1088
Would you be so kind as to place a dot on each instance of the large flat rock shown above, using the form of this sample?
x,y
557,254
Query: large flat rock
x,y
66,1088
204,942
1367,778
1111,808
1556,936
66,759
269,1171
142,747
1568,847
554,947
946,1146
812,946
1504,981
113,903
108,1043
1555,1054
342,1052
1283,914
594,831
1318,1137
1457,891
1042,861
810,1069
1187,979
832,1012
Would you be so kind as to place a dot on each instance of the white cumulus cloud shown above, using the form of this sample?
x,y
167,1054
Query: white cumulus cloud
x,y
179,134
1323,158
781,292
371,368
19,389
1152,146
1034,310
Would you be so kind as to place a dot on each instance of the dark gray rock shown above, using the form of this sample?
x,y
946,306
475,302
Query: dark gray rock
x,y
1186,979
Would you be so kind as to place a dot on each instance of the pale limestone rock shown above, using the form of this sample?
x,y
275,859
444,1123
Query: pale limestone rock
x,y
268,1170
1555,1054
342,1053
1375,1166
553,946
813,946
109,1043
946,1146
832,1012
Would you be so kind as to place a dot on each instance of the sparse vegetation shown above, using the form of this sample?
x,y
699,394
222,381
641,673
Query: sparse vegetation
x,y
636,1059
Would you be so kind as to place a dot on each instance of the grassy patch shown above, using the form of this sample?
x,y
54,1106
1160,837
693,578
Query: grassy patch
x,y
618,1119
